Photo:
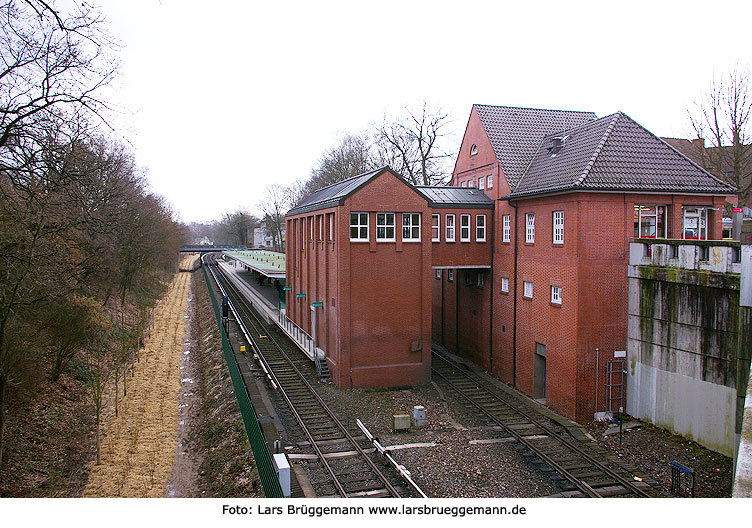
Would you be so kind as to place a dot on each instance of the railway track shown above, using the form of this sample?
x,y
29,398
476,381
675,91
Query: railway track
x,y
351,471
578,470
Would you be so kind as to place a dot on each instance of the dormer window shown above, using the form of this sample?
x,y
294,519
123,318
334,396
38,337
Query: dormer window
x,y
557,144
473,150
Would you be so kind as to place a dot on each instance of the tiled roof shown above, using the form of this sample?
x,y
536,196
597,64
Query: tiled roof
x,y
441,196
515,133
614,153
334,194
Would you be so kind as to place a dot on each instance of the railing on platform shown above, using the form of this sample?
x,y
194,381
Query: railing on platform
x,y
304,340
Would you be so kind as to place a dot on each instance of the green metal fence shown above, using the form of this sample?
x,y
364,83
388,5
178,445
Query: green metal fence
x,y
261,453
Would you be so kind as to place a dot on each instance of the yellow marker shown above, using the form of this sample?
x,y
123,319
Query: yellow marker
x,y
242,348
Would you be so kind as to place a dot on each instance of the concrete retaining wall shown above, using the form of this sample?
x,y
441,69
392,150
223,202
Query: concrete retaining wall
x,y
683,341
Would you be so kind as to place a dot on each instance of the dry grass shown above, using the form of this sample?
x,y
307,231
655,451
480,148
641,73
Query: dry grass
x,y
138,451
189,262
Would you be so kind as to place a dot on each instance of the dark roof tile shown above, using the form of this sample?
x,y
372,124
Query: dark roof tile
x,y
614,153
515,133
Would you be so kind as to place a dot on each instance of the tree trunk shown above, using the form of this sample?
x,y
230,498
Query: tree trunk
x,y
99,412
2,414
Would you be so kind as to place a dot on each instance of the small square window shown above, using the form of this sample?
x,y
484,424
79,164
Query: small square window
x,y
527,290
505,285
359,227
411,227
555,294
450,275
385,227
438,274
481,183
489,181
463,184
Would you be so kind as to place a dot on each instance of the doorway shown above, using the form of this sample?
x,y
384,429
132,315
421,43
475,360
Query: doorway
x,y
539,372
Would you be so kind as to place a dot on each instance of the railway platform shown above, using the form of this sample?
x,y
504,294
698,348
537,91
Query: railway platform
x,y
264,299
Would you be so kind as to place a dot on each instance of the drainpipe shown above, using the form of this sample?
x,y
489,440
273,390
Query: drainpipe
x,y
490,318
514,323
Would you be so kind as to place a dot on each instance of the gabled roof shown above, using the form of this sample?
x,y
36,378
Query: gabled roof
x,y
515,133
334,194
463,197
613,153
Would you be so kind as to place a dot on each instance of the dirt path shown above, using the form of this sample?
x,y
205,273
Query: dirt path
x,y
138,451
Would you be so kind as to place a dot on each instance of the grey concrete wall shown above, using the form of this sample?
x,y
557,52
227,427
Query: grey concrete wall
x,y
682,348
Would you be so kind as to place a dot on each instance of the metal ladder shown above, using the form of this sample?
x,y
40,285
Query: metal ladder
x,y
615,384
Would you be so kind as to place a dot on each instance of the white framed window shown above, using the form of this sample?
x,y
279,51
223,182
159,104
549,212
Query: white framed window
x,y
321,228
435,228
650,221
505,284
450,275
449,228
310,228
555,294
411,227
506,229
463,184
471,183
480,228
695,223
331,226
464,228
473,150
385,227
438,274
529,228
558,227
489,181
358,227
481,183
481,280
527,289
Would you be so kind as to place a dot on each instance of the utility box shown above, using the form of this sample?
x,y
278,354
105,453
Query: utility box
x,y
419,416
282,466
401,422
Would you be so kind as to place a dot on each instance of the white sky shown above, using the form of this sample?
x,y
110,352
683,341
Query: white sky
x,y
226,97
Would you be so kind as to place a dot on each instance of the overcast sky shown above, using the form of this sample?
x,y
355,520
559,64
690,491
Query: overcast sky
x,y
226,97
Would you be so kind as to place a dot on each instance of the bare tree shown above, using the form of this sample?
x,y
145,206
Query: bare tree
x,y
413,145
722,119
275,203
239,227
348,158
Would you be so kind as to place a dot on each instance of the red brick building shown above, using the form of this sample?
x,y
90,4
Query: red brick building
x,y
363,250
570,192
520,265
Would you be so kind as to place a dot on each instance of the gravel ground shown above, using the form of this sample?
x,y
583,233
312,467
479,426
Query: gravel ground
x,y
651,449
454,467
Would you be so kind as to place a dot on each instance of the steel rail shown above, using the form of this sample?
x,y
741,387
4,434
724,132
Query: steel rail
x,y
249,314
580,484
